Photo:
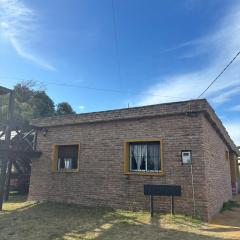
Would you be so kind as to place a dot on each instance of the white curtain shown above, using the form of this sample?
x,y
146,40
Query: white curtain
x,y
138,154
145,157
64,163
153,157
59,163
68,163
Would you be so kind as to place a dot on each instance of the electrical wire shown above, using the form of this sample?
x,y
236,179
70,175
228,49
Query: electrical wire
x,y
94,88
219,74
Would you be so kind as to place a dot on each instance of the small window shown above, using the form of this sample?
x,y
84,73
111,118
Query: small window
x,y
66,157
143,157
226,155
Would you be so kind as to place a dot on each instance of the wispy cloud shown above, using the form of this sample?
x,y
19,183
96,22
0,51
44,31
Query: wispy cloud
x,y
18,26
23,53
233,129
226,96
221,45
81,107
235,108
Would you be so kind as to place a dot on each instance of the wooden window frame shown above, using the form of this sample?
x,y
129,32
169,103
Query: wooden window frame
x,y
126,157
54,166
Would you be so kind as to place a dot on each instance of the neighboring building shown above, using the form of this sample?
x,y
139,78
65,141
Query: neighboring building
x,y
239,159
105,158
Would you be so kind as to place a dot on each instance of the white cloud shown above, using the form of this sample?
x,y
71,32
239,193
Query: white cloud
x,y
235,108
81,108
226,96
18,27
21,51
221,45
233,129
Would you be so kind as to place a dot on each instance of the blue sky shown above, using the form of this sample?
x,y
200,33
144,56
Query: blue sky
x,y
146,51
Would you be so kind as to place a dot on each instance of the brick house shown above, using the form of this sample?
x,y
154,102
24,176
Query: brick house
x,y
105,158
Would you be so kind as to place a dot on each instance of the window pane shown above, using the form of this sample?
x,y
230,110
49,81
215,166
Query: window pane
x,y
144,156
61,163
68,157
153,157
138,154
68,163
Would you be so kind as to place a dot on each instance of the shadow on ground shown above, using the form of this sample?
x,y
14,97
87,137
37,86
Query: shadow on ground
x,y
55,221
226,223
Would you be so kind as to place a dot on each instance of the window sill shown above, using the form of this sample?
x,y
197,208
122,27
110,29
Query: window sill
x,y
145,173
66,171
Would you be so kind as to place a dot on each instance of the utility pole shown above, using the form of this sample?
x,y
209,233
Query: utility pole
x,y
7,141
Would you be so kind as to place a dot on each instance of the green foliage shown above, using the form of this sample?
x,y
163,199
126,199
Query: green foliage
x,y
3,108
42,105
24,91
230,205
31,103
22,110
64,108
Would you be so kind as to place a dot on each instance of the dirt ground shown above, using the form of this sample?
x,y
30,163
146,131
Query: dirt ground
x,y
227,223
25,220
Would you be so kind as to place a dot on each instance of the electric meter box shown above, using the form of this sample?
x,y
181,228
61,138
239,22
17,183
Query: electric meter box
x,y
186,157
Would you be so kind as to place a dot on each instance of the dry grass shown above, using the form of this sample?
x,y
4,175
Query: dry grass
x,y
23,220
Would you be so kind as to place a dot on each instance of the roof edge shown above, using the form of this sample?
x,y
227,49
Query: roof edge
x,y
36,120
149,111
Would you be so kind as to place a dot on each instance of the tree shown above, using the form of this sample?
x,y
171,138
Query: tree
x,y
3,108
23,94
42,105
64,108
29,104
24,91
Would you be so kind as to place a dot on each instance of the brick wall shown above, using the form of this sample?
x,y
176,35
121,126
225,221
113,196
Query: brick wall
x,y
101,181
217,169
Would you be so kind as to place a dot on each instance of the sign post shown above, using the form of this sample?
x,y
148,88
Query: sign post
x,y
151,205
162,190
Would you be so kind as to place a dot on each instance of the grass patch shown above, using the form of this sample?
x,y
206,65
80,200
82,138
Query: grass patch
x,y
230,205
25,220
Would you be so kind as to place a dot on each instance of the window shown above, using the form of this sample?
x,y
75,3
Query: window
x,y
66,157
143,157
226,155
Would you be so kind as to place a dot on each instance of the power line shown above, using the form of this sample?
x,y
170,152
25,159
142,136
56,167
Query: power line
x,y
220,74
93,88
111,90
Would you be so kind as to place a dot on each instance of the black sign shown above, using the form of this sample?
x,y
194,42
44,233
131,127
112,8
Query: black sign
x,y
162,190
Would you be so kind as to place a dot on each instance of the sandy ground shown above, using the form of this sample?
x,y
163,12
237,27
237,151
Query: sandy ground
x,y
26,220
227,223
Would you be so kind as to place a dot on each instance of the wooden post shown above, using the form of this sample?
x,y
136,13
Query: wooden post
x,y
172,205
2,179
8,178
5,158
35,140
151,205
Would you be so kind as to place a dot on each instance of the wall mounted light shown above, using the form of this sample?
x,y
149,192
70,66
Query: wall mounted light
x,y
44,132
